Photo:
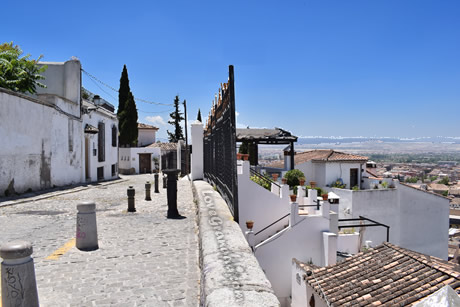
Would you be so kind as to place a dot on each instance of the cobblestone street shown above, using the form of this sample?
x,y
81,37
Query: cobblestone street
x,y
144,259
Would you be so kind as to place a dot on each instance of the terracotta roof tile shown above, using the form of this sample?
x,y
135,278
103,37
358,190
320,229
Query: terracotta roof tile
x,y
145,126
386,275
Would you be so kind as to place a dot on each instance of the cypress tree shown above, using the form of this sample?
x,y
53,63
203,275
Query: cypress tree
x,y
128,123
176,118
124,90
198,117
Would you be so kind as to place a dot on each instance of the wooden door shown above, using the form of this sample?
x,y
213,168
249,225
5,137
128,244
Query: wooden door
x,y
145,163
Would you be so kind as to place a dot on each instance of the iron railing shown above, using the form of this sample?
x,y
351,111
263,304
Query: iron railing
x,y
362,218
281,218
220,145
264,178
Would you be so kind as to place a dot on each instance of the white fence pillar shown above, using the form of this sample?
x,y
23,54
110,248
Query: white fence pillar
x,y
197,150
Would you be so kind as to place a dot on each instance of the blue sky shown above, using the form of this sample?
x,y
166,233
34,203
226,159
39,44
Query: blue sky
x,y
330,68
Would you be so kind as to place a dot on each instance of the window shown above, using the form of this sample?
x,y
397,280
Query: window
x,y
101,142
114,136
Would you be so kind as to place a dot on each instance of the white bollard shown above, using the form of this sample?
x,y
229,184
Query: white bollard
x,y
86,227
19,287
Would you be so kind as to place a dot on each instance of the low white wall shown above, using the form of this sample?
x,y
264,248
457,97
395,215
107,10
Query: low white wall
x,y
304,241
129,157
41,146
260,205
348,243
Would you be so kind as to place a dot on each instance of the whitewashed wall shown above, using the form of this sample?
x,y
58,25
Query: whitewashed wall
x,y
146,137
36,151
424,221
418,220
129,157
258,204
327,173
304,242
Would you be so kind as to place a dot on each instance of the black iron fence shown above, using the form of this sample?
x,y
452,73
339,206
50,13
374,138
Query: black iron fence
x,y
220,145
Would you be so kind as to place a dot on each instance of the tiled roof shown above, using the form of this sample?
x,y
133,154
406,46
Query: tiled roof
x,y
372,172
165,146
386,275
327,155
145,126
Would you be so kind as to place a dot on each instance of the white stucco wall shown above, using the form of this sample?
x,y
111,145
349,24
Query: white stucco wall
x,y
424,221
418,220
327,173
35,151
197,150
260,205
145,137
304,242
111,152
129,157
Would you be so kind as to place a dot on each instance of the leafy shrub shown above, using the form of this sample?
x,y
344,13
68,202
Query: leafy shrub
x,y
293,176
355,188
263,183
385,184
338,184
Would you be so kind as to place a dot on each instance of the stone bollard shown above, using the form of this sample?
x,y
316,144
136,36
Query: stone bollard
x,y
86,227
18,285
131,205
172,193
156,183
147,191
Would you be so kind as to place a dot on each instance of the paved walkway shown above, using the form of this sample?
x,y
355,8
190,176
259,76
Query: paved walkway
x,y
143,258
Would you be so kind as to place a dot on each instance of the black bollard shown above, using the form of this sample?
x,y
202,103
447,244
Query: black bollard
x,y
172,193
156,183
131,193
147,190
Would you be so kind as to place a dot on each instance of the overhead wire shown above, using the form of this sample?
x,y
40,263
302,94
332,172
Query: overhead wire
x,y
115,90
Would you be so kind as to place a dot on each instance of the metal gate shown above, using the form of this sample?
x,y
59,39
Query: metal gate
x,y
220,145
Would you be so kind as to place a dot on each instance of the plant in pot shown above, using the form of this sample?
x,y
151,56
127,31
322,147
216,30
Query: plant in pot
x,y
324,196
293,197
302,181
275,177
293,176
313,184
250,224
243,151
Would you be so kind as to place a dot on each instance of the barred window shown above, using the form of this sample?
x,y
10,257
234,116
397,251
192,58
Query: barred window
x,y
101,142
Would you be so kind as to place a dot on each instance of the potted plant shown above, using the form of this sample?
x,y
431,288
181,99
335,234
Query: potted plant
x,y
313,184
293,197
302,181
275,177
324,196
243,151
250,224
284,180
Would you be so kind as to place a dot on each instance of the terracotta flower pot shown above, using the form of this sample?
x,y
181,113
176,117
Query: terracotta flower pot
x,y
239,156
313,184
275,177
249,224
245,157
302,182
284,180
293,197
324,196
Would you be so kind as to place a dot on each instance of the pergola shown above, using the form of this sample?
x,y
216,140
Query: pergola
x,y
275,136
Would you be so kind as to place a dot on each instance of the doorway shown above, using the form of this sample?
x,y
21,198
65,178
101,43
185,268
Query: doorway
x,y
145,163
353,177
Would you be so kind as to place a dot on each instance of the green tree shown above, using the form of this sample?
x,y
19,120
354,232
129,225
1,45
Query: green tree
x,y
444,180
176,118
17,73
124,90
293,176
128,123
198,117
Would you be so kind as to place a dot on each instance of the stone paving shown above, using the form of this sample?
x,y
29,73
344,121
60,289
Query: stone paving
x,y
144,259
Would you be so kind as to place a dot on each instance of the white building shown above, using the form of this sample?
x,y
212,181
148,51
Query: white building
x,y
44,139
100,140
145,158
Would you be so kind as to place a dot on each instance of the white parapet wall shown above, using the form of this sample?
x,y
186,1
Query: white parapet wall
x,y
260,205
231,275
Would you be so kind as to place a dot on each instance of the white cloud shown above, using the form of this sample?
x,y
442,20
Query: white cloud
x,y
156,120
